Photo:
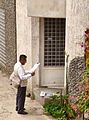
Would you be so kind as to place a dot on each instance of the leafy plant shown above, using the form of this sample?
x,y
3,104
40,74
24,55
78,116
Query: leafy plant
x,y
60,108
81,102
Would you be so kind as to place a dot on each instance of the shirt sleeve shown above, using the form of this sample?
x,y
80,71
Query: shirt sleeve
x,y
27,71
22,75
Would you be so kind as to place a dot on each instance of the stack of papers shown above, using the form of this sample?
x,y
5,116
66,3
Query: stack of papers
x,y
34,67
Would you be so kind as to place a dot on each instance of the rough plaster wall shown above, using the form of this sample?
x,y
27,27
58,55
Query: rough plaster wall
x,y
24,35
77,17
10,34
9,6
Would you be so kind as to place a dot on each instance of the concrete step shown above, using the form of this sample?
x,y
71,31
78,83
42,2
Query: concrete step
x,y
44,99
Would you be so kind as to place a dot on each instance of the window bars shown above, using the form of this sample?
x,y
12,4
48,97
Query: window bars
x,y
54,41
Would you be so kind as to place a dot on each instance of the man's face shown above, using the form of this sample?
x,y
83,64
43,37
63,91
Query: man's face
x,y
23,61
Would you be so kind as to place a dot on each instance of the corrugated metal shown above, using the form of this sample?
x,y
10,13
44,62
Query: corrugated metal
x,y
2,37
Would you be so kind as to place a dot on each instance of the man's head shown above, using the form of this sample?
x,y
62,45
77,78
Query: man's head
x,y
23,59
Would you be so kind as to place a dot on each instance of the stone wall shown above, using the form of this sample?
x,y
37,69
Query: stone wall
x,y
10,34
76,68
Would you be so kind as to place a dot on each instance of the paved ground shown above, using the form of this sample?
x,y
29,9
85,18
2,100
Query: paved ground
x,y
7,104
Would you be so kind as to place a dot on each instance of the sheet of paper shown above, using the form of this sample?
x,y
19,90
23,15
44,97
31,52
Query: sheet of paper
x,y
34,67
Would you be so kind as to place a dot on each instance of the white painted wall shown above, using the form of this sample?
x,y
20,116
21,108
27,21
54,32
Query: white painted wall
x,y
23,33
47,8
35,33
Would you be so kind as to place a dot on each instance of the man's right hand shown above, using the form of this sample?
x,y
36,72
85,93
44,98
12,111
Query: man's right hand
x,y
33,73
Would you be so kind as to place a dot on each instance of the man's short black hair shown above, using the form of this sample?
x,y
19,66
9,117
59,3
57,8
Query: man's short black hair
x,y
22,57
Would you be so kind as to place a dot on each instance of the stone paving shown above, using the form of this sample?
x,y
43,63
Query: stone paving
x,y
7,104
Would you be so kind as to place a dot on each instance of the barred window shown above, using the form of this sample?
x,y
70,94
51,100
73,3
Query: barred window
x,y
54,41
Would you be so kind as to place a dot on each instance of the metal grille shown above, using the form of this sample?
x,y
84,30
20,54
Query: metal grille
x,y
2,37
54,41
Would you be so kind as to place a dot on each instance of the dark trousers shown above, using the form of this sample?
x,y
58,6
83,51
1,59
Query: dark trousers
x,y
20,98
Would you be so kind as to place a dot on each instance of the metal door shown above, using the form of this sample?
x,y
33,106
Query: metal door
x,y
52,52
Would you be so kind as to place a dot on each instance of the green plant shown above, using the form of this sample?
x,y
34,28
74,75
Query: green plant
x,y
33,96
60,108
81,102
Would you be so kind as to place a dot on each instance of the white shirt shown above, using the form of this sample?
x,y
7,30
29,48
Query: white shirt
x,y
21,72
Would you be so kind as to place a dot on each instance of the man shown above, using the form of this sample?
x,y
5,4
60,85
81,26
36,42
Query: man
x,y
21,92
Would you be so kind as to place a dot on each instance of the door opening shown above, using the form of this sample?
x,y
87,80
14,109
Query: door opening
x,y
52,51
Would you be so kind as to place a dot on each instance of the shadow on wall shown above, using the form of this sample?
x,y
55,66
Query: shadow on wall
x,y
76,68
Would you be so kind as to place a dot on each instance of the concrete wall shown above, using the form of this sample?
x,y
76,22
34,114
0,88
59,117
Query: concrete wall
x,y
77,15
35,32
24,35
47,8
10,34
77,21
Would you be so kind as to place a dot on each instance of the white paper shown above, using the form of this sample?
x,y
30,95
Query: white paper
x,y
42,94
34,67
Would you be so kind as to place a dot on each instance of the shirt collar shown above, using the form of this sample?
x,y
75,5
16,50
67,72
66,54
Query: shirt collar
x,y
19,63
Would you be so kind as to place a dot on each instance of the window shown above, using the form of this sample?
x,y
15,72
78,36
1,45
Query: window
x,y
54,41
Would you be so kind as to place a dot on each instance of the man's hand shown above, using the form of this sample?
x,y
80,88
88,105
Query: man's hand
x,y
33,73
